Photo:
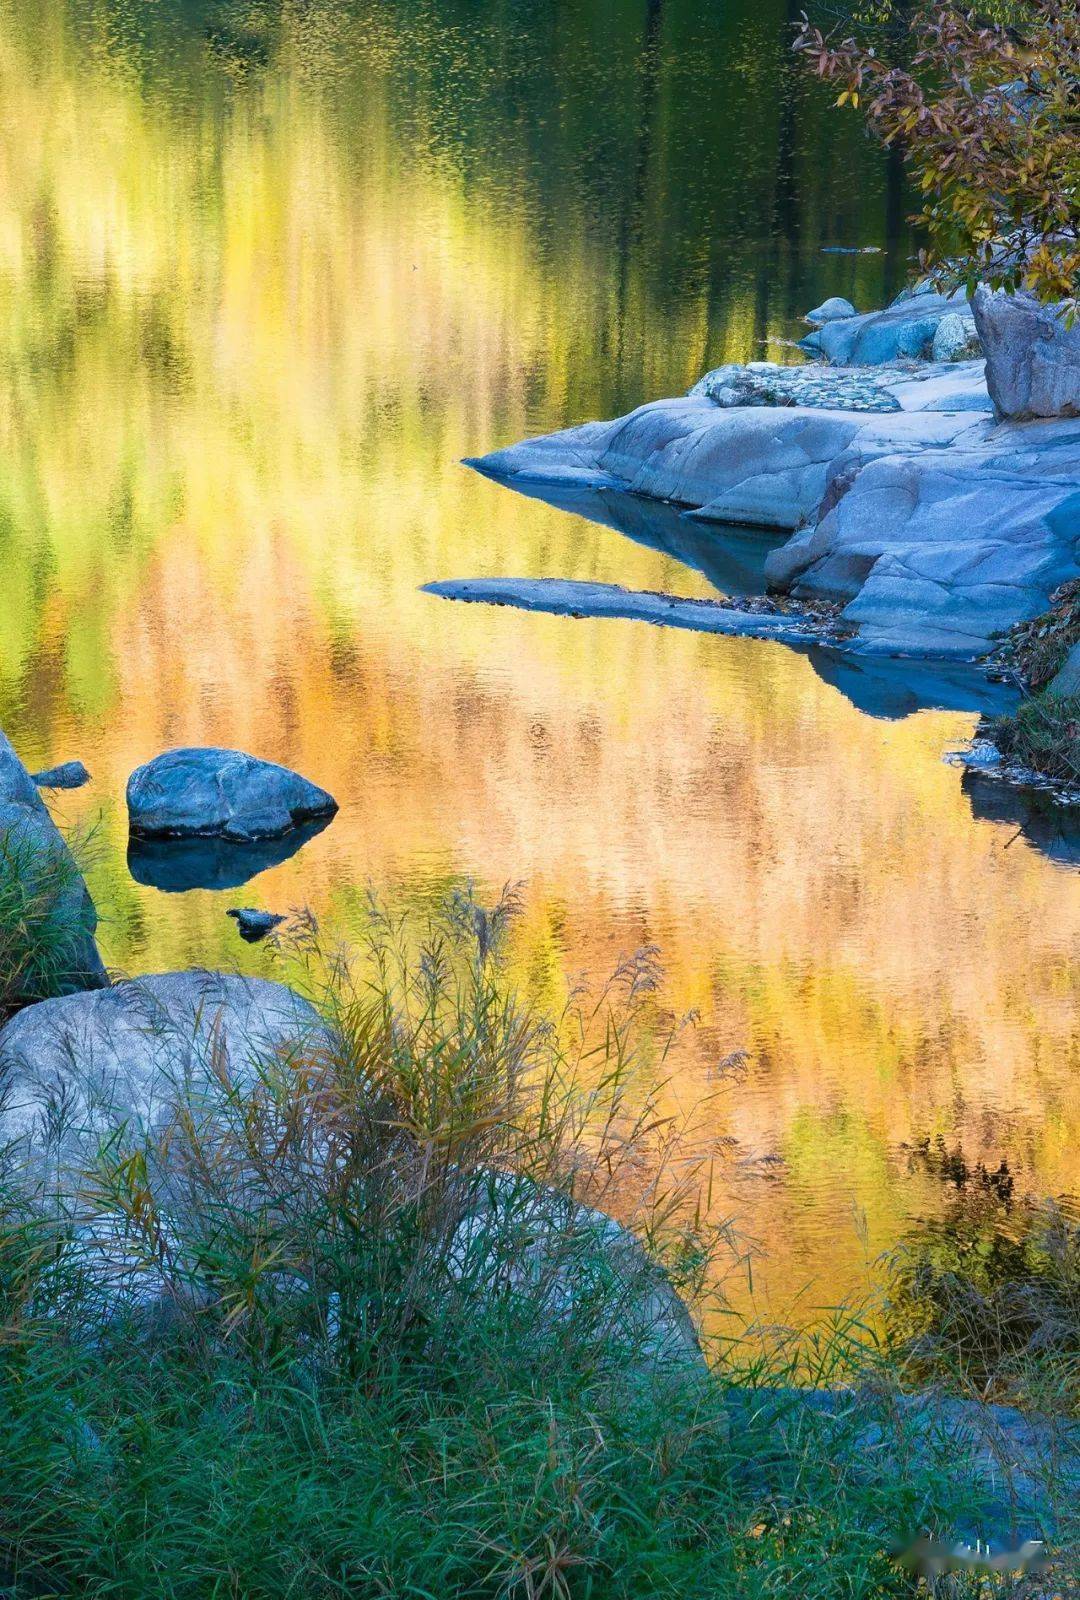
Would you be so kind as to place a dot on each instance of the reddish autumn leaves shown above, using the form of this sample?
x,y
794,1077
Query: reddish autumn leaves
x,y
988,117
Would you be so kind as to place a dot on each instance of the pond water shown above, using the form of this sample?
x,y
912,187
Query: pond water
x,y
268,270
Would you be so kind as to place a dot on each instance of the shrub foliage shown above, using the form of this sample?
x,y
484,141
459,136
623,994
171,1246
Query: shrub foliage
x,y
987,114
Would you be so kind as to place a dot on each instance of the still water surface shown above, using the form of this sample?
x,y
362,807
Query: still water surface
x,y
267,272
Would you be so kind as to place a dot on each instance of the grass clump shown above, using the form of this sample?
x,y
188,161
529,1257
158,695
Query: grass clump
x,y
1036,650
1044,734
46,921
362,1330
985,1298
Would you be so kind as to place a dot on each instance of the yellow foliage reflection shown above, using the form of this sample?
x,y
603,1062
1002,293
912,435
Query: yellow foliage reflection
x,y
244,342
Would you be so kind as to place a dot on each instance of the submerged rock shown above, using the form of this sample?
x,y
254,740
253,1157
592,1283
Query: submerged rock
x,y
831,310
205,792
68,775
1032,358
567,597
76,1069
38,872
254,925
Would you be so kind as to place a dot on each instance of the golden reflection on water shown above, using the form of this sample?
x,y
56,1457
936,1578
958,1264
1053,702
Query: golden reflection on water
x,y
243,349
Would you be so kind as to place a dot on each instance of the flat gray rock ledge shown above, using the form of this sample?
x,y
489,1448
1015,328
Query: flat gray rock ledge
x,y
39,876
564,597
935,526
206,792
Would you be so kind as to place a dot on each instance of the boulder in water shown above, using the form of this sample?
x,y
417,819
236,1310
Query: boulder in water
x,y
68,775
226,794
254,925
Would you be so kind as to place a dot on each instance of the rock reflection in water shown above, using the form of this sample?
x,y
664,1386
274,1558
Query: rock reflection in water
x,y
733,561
1047,826
177,865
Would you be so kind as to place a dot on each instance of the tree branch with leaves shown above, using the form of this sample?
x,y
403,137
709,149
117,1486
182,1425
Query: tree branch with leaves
x,y
987,114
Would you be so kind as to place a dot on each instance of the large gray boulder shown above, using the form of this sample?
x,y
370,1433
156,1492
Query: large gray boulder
x,y
903,331
226,794
148,1069
935,552
40,882
76,1069
1032,358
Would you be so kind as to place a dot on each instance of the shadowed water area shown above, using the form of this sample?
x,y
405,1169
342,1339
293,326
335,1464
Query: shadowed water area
x,y
267,272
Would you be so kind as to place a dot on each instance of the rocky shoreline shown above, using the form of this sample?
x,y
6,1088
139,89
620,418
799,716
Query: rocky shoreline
x,y
937,503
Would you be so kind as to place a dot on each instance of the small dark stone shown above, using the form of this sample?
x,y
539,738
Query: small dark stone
x,y
68,775
254,925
